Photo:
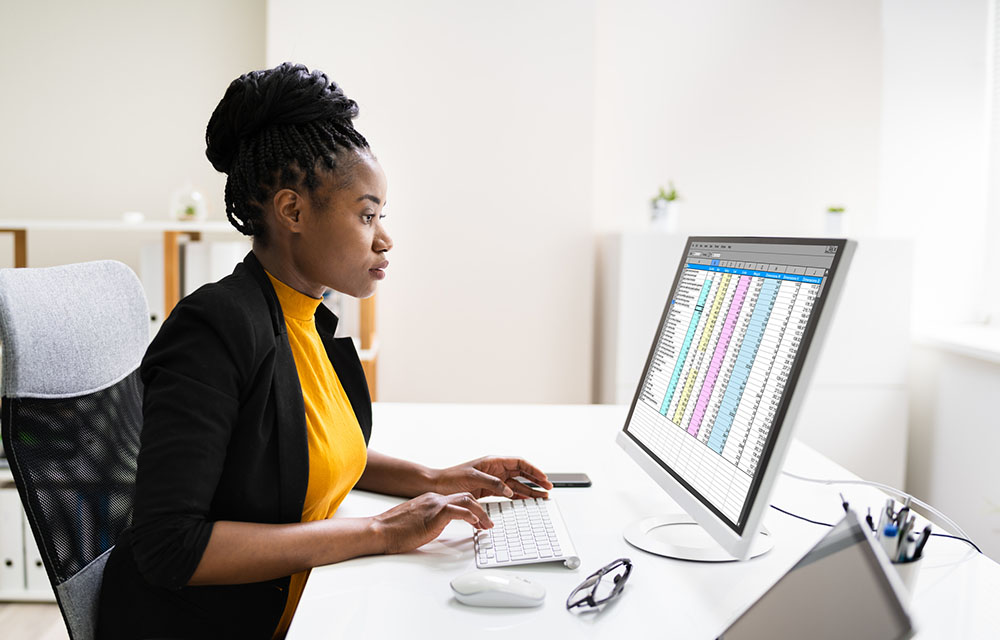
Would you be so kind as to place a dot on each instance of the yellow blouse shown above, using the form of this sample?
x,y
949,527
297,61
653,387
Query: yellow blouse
x,y
337,453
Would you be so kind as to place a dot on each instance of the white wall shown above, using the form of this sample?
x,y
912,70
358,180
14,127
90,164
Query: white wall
x,y
482,116
104,110
935,177
954,439
763,113
934,142
509,133
544,121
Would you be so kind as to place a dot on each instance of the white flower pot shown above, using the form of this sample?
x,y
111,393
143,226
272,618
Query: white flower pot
x,y
835,224
666,214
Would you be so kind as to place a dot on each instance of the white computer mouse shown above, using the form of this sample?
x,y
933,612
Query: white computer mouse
x,y
490,588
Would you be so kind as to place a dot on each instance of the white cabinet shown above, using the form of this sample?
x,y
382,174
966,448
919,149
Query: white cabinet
x,y
856,408
22,574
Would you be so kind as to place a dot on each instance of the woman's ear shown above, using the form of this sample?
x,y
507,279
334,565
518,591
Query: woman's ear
x,y
287,209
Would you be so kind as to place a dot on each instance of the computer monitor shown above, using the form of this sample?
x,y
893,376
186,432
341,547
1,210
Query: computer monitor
x,y
712,415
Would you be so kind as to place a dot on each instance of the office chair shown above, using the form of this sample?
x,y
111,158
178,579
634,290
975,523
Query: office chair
x,y
72,339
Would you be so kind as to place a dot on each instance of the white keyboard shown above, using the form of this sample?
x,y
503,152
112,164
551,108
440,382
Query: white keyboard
x,y
524,532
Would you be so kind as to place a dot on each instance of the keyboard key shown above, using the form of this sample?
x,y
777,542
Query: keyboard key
x,y
524,531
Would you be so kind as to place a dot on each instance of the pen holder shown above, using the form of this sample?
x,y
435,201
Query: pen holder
x,y
907,572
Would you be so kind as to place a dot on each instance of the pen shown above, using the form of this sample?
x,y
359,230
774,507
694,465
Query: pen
x,y
904,532
907,526
881,524
924,535
907,548
902,515
868,519
889,540
911,547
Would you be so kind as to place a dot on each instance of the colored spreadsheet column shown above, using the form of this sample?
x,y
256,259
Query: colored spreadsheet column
x,y
744,361
720,352
686,346
699,355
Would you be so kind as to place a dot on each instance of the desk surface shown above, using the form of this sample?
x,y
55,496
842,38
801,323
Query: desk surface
x,y
409,595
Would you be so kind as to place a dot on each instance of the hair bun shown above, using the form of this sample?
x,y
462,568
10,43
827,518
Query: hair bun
x,y
285,95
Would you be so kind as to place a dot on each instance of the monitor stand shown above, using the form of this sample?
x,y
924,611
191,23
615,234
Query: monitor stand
x,y
679,536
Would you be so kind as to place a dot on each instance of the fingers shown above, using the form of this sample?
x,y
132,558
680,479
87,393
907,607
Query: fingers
x,y
492,485
513,467
422,519
533,473
522,490
469,505
455,512
507,468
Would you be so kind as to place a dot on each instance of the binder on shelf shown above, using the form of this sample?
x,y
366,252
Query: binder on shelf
x,y
36,579
12,578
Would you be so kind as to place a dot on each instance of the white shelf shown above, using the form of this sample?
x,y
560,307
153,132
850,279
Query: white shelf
x,y
22,575
116,224
973,340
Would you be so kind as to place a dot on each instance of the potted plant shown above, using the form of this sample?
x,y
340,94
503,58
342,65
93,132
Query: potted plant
x,y
835,220
665,208
187,204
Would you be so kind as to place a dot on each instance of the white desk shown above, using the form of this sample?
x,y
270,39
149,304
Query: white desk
x,y
409,596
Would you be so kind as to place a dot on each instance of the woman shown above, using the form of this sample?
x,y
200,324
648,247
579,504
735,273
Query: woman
x,y
255,419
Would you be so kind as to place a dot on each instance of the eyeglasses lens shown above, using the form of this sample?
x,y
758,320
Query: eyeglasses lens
x,y
611,584
604,585
582,591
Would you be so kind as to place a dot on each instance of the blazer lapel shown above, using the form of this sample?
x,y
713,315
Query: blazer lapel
x,y
346,363
290,412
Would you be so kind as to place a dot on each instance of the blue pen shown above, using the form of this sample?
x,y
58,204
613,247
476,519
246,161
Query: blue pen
x,y
883,515
890,540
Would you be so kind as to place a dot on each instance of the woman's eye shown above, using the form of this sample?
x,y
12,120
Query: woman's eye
x,y
368,217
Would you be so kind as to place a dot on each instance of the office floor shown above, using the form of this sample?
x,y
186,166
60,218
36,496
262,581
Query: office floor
x,y
32,621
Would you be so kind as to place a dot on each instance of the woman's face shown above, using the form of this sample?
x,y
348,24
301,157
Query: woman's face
x,y
343,244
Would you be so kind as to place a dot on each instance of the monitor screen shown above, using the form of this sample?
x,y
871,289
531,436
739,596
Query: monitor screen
x,y
726,356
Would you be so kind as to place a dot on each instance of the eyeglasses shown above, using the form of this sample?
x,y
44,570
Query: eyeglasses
x,y
595,591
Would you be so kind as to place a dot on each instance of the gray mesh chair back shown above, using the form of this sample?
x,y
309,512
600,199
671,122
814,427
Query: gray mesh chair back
x,y
72,338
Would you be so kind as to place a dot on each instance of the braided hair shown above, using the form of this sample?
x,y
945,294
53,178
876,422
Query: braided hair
x,y
270,131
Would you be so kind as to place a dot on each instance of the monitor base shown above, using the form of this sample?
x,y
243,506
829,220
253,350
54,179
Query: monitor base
x,y
678,536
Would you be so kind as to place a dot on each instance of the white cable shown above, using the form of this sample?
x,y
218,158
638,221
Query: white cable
x,y
892,490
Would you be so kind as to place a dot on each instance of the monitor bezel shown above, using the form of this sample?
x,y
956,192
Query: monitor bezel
x,y
737,537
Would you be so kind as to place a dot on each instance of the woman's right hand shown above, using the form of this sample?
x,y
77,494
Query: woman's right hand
x,y
422,519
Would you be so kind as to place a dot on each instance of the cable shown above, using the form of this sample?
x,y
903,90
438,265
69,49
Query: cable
x,y
947,535
789,513
899,494
827,524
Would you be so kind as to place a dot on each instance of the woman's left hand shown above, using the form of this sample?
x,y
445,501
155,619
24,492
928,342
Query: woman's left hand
x,y
492,476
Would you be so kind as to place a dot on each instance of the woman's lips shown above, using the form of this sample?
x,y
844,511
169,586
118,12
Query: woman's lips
x,y
378,271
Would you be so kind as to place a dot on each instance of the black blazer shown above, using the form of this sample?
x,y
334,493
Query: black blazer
x,y
223,438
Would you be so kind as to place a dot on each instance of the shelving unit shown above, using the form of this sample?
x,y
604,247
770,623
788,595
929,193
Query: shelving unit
x,y
173,231
22,574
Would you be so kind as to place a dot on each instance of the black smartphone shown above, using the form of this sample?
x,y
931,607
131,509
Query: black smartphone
x,y
565,480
